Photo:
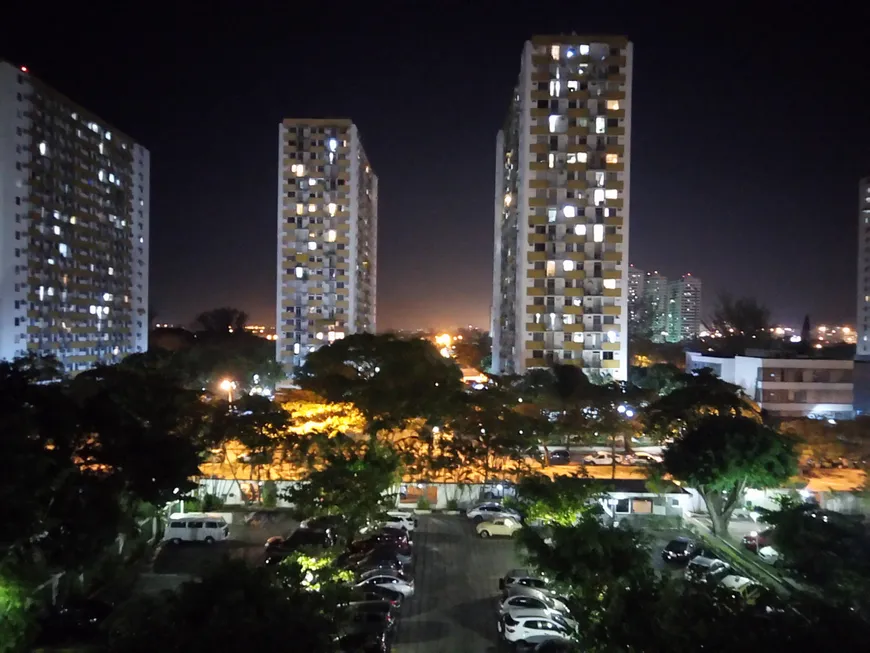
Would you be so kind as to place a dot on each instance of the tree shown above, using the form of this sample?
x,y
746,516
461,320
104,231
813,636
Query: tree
x,y
742,323
345,477
472,350
234,608
722,455
696,396
561,500
390,380
222,320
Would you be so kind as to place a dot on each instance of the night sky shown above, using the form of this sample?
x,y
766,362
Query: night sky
x,y
750,132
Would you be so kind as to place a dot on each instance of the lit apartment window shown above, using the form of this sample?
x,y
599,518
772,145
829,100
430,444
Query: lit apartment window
x,y
551,215
43,148
610,284
600,124
613,105
330,235
611,193
312,208
598,196
611,158
300,209
312,245
568,266
300,272
570,211
579,229
555,88
577,157
577,337
551,268
572,85
332,208
598,232
554,52
584,50
551,160
611,336
554,123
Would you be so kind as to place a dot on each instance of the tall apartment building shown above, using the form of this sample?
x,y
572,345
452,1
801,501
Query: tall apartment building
x,y
684,309
74,213
862,323
657,297
637,313
327,236
560,278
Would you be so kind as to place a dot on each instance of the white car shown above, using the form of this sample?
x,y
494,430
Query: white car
x,y
602,458
405,586
533,626
522,577
506,527
515,602
646,458
545,596
769,555
742,588
490,510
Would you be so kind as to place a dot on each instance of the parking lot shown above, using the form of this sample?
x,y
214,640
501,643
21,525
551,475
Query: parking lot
x,y
456,581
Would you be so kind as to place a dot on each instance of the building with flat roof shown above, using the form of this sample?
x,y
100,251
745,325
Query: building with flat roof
x,y
74,229
327,237
560,273
787,387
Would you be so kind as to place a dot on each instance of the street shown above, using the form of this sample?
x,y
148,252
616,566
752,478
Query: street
x,y
456,579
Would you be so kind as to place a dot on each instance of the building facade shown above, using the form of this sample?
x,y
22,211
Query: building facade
x,y
560,273
74,223
862,323
327,237
787,387
684,309
637,312
657,297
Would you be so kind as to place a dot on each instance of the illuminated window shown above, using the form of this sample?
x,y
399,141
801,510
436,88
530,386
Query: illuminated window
x,y
613,105
332,208
610,284
43,148
584,50
598,232
554,123
599,178
312,245
312,208
333,144
102,175
300,170
579,229
551,160
551,268
56,230
577,157
293,168
577,337
330,235
611,193
572,85
554,52
611,336
295,347
101,148
319,335
63,248
107,296
551,215
555,88
111,271
611,158
300,272
600,124
598,196
568,266
300,209
570,211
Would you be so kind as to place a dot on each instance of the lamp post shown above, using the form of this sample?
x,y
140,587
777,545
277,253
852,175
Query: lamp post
x,y
228,386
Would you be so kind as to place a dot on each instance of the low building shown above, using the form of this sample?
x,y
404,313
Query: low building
x,y
787,387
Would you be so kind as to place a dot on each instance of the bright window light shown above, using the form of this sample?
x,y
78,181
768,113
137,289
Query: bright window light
x,y
611,158
598,196
300,209
300,272
600,124
312,245
63,248
300,170
551,215
554,52
611,336
579,229
581,157
584,50
330,235
613,105
111,271
554,122
555,88
551,268
295,347
43,148
610,284
611,193
333,144
332,208
598,232
570,211
577,337
551,160
572,85
107,296
312,208
102,175
567,266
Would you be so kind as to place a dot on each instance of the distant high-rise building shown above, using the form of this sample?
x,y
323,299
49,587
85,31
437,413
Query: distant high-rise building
x,y
327,236
74,213
684,309
862,323
638,315
657,296
560,280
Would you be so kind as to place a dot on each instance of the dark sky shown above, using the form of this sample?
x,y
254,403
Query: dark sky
x,y
750,131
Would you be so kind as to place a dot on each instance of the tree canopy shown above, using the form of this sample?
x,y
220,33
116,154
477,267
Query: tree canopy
x,y
722,455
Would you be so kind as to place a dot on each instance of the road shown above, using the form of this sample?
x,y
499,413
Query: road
x,y
456,580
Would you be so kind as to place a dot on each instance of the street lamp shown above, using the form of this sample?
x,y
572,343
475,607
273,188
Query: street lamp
x,y
228,386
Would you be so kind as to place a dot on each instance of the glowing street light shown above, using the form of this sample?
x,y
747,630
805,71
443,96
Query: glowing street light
x,y
228,385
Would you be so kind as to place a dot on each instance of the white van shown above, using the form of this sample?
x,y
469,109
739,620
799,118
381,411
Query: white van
x,y
196,527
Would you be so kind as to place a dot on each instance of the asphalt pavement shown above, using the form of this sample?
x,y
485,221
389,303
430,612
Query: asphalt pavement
x,y
456,580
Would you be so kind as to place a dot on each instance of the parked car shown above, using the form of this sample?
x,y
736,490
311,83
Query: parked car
x,y
524,577
532,627
196,527
743,588
706,570
680,550
602,458
559,457
768,555
405,586
380,559
364,613
378,594
76,620
515,602
399,519
547,596
368,573
645,458
378,540
755,540
505,527
490,510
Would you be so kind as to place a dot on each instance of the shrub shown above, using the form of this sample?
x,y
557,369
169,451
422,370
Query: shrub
x,y
212,502
423,504
452,504
269,494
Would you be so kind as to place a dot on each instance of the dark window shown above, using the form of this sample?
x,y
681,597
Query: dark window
x,y
212,524
195,524
179,524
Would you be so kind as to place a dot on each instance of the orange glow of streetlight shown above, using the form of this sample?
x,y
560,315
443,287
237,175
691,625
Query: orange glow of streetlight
x,y
228,385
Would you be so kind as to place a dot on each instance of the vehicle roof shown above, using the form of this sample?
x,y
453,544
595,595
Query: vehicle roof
x,y
734,582
701,561
529,613
518,572
391,576
195,515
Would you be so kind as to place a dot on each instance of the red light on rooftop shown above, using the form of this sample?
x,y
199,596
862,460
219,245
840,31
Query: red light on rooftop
x,y
24,69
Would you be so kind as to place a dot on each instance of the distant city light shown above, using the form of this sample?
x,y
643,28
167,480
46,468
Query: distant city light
x,y
795,339
24,69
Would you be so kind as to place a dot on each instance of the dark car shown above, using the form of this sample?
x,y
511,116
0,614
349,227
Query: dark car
x,y
560,457
382,558
398,534
379,540
756,540
378,594
278,547
680,550
77,620
707,571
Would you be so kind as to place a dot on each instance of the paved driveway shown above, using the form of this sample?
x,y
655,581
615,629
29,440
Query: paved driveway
x,y
456,580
